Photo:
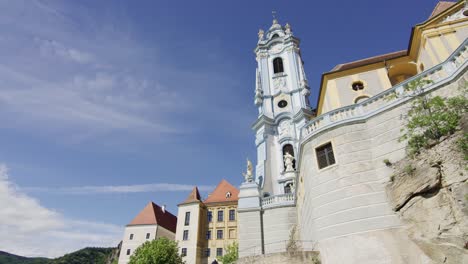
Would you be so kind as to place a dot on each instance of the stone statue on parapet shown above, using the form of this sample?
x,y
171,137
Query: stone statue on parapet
x,y
261,33
248,176
288,162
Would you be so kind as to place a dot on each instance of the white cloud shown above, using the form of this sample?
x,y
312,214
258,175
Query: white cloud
x,y
99,103
28,228
139,188
55,48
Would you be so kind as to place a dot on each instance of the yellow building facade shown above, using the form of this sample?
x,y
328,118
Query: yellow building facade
x,y
207,227
431,42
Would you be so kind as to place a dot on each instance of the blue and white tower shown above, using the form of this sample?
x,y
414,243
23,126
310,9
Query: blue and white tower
x,y
281,95
267,211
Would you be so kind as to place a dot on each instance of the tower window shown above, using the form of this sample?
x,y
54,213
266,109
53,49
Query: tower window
x,y
282,104
184,252
131,236
287,188
128,252
357,86
207,252
274,36
147,235
208,235
325,155
187,218
185,235
278,65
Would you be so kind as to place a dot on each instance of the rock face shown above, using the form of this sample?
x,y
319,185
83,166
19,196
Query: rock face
x,y
430,194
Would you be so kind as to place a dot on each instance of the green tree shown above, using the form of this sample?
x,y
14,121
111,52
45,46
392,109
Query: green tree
x,y
159,251
232,254
431,117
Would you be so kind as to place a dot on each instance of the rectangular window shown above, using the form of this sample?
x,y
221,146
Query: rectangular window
x,y
131,236
232,215
220,216
208,235
219,252
187,218
128,252
325,156
219,234
184,252
207,252
185,235
210,216
147,235
232,233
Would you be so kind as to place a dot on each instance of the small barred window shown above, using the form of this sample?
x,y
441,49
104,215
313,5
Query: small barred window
x,y
325,156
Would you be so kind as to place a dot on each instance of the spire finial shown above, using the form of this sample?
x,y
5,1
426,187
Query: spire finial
x,y
273,14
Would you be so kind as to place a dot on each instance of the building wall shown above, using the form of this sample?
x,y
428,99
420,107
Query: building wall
x,y
439,41
250,233
193,244
278,223
139,237
230,232
344,206
339,92
163,232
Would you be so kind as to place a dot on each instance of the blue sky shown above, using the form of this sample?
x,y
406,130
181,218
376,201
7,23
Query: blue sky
x,y
106,105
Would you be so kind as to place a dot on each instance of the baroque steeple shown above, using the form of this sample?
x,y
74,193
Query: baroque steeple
x,y
281,95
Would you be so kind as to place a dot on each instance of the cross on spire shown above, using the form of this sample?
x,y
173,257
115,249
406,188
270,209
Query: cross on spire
x,y
273,14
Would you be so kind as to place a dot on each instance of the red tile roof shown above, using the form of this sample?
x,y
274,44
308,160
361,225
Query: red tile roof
x,y
153,214
194,196
359,63
219,194
441,7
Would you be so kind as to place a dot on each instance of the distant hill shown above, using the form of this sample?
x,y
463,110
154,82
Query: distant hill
x,y
82,256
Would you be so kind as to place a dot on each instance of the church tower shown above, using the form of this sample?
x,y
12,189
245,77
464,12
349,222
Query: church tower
x,y
281,95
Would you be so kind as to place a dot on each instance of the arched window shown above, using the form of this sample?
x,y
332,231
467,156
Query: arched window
x,y
288,188
360,99
278,65
275,36
289,148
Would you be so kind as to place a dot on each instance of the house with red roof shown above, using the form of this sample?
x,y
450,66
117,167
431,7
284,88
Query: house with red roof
x,y
151,223
206,227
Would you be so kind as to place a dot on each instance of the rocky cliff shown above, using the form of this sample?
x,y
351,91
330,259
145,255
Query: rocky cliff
x,y
430,194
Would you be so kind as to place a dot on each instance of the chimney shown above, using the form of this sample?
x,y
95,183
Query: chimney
x,y
163,208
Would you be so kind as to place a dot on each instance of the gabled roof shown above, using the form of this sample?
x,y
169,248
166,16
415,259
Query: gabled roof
x,y
153,214
441,7
219,194
379,58
193,197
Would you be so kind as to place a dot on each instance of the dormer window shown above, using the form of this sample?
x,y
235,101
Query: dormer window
x,y
275,36
278,65
228,195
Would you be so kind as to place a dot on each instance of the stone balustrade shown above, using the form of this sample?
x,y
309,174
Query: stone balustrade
x,y
286,199
437,74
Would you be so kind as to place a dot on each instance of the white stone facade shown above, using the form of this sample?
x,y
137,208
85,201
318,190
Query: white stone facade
x,y
135,236
192,243
342,209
